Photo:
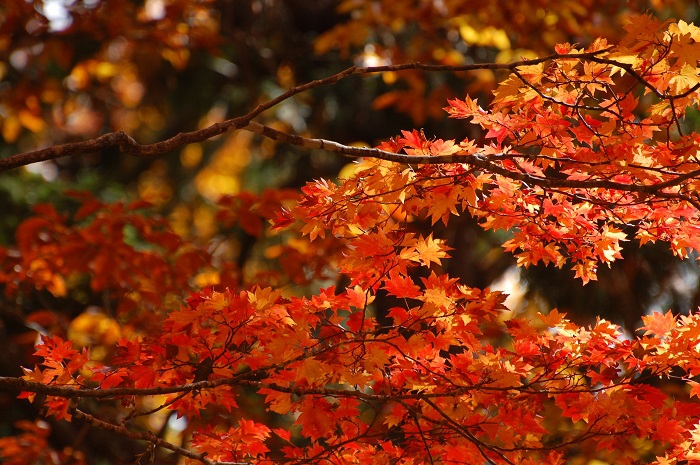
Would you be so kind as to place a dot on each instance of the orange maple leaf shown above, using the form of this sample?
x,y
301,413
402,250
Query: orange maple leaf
x,y
658,323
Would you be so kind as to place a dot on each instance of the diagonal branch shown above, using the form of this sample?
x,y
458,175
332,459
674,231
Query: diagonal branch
x,y
130,146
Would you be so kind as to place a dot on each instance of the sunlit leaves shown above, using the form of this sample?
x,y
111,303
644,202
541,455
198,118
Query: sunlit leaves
x,y
569,162
580,118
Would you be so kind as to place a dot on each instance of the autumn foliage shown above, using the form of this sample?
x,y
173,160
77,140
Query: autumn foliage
x,y
291,361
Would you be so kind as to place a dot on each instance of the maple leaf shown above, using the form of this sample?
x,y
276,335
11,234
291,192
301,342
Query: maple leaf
x,y
33,375
695,388
659,324
110,380
552,318
279,402
316,418
392,145
669,430
563,49
576,161
311,369
463,108
58,407
415,141
443,147
443,203
686,44
401,286
425,251
282,219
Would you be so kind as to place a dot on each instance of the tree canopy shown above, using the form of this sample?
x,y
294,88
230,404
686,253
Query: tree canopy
x,y
269,232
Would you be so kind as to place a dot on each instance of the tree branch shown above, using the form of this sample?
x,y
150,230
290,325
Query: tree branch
x,y
148,437
480,161
130,146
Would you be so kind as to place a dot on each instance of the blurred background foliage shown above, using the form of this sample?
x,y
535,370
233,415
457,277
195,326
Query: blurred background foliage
x,y
73,69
